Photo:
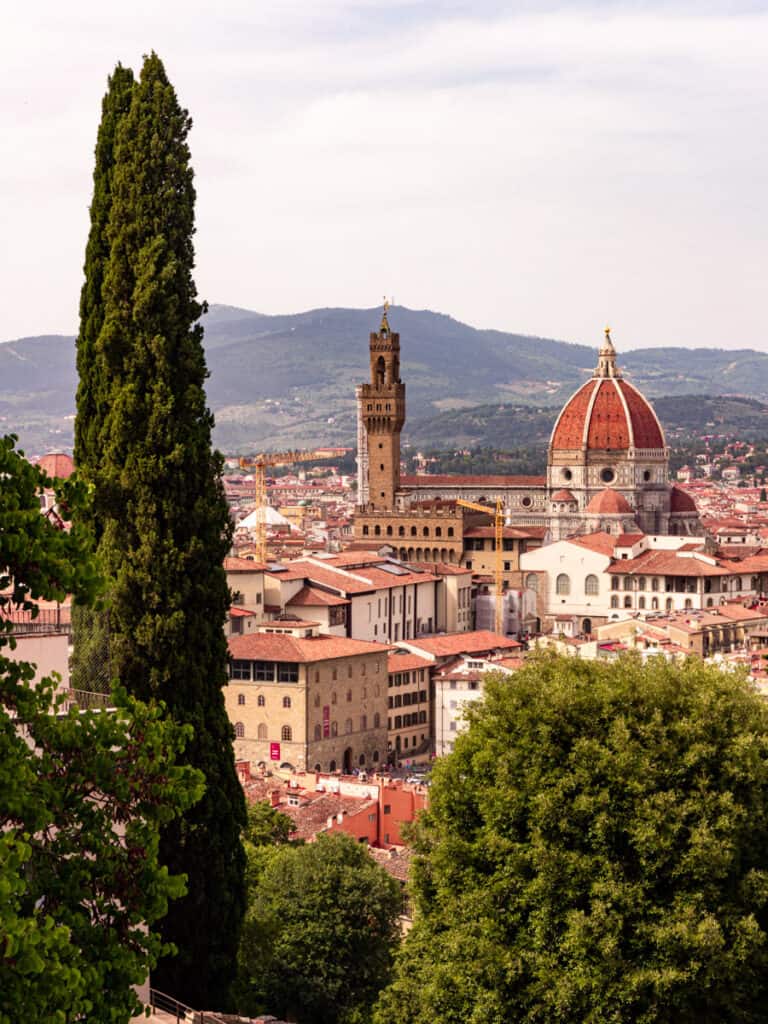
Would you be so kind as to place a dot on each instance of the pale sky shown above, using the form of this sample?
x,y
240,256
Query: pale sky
x,y
535,167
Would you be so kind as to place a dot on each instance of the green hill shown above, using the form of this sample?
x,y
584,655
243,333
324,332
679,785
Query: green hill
x,y
289,380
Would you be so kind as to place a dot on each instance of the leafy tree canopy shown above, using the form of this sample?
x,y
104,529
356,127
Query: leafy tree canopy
x,y
596,849
82,798
319,932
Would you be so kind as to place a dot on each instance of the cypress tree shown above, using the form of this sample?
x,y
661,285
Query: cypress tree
x,y
163,520
90,668
91,385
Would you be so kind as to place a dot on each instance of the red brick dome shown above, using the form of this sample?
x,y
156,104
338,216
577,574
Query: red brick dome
x,y
681,501
57,464
607,414
609,502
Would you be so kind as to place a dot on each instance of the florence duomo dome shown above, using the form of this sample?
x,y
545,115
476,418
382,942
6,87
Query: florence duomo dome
x,y
608,450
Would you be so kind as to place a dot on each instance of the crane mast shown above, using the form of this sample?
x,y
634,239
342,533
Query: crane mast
x,y
259,463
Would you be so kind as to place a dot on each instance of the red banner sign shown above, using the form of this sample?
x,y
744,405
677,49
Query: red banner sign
x,y
274,751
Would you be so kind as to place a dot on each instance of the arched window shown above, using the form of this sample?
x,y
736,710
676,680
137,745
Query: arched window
x,y
737,583
261,732
389,531
591,585
241,698
317,700
363,722
413,531
641,603
239,730
628,601
334,728
688,604
376,720
614,582
375,755
655,583
628,582
286,702
348,725
532,582
401,531
641,582
669,604
710,602
361,760
318,732
654,603
614,601
260,700
563,584
438,531
349,696
377,531
333,697
425,531
450,531
286,733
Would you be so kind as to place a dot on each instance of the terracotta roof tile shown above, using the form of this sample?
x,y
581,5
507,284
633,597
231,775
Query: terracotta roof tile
x,y
313,596
446,480
475,642
284,647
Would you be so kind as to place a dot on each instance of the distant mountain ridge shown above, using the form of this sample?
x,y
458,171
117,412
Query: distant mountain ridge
x,y
289,379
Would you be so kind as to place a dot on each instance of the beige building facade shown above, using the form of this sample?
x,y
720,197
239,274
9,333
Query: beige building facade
x,y
304,700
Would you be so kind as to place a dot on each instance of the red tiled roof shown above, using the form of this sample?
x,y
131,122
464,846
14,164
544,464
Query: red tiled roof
x,y
313,596
645,426
513,532
628,540
601,542
447,480
442,568
668,563
607,414
232,564
681,501
284,647
474,642
401,662
57,464
609,502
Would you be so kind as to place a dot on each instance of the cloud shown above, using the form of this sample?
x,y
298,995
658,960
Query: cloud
x,y
542,171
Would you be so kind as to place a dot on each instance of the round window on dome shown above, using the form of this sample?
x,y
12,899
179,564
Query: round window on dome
x,y
607,475
526,502
567,474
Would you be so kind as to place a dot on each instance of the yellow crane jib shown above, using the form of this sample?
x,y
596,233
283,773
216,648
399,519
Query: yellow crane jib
x,y
259,463
498,565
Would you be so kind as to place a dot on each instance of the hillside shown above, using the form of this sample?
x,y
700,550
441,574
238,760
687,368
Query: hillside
x,y
289,380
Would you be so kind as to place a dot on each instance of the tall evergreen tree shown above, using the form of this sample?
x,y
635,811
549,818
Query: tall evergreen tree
x,y
92,385
163,520
90,668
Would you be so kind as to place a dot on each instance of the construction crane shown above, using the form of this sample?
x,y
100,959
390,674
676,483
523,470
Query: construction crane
x,y
259,464
498,567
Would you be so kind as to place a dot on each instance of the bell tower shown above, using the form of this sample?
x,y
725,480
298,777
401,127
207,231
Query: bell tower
x,y
382,409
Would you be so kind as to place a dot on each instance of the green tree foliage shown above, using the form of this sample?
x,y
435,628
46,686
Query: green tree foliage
x,y
596,849
82,799
162,518
319,932
92,389
90,668
266,825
